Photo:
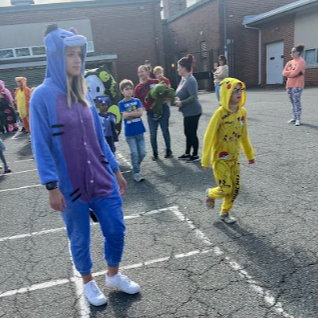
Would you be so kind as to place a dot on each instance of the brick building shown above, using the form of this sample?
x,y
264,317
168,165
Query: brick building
x,y
242,30
120,33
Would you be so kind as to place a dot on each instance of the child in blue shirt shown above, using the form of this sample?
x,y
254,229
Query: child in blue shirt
x,y
108,121
131,110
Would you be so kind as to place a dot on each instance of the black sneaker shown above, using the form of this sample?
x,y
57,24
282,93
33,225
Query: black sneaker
x,y
8,170
168,154
193,159
154,157
184,157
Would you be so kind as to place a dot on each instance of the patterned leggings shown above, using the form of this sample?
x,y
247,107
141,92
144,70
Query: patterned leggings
x,y
294,94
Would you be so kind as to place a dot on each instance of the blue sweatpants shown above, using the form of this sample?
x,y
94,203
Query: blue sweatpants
x,y
110,216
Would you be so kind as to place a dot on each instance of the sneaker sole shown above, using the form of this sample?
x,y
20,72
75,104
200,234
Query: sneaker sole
x,y
227,221
189,161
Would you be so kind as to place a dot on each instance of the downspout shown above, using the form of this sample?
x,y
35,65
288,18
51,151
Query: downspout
x,y
225,30
259,52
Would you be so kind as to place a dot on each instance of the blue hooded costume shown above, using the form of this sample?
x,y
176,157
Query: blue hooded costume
x,y
69,147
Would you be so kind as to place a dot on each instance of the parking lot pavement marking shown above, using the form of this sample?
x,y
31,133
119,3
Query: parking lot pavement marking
x,y
19,172
82,304
21,188
266,294
59,229
77,280
24,160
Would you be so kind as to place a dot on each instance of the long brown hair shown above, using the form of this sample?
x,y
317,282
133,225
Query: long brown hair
x,y
76,92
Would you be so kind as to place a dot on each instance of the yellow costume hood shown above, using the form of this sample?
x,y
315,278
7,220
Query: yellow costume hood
x,y
226,88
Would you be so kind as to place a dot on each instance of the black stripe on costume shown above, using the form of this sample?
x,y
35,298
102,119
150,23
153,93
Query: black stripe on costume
x,y
106,162
103,156
74,192
76,197
57,126
58,134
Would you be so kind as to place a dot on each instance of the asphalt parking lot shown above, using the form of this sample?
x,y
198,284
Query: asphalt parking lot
x,y
187,262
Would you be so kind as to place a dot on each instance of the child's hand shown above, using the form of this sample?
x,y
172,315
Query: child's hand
x,y
205,169
250,162
122,184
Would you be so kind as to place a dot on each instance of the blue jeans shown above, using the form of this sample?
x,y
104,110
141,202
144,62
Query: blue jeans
x,y
217,91
164,125
137,150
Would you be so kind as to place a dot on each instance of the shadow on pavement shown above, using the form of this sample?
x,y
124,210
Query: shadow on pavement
x,y
310,126
289,275
119,304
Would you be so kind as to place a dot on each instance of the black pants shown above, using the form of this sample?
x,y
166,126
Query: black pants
x,y
190,130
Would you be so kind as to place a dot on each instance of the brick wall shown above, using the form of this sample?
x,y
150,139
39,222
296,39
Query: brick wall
x,y
132,31
185,34
278,30
209,19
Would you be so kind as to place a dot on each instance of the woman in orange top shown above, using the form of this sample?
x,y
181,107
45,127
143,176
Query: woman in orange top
x,y
295,71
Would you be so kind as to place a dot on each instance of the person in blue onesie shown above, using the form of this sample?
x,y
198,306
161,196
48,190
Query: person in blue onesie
x,y
75,162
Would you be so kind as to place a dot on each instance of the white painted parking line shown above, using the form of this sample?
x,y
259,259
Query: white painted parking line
x,y
82,304
127,217
24,160
21,188
266,294
78,279
18,172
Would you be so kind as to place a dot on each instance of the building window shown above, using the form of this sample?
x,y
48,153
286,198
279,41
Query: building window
x,y
203,50
38,50
311,57
32,51
191,2
6,54
90,46
22,52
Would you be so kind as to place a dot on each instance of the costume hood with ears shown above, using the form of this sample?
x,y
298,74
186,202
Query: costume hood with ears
x,y
4,90
23,80
56,41
226,90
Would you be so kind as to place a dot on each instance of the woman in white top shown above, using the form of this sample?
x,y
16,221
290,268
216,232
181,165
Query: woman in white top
x,y
220,73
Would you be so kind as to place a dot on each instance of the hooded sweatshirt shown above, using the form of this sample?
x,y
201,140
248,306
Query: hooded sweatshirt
x,y
227,131
5,91
23,97
68,142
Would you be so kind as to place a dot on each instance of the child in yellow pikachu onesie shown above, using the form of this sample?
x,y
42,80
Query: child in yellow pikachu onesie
x,y
227,130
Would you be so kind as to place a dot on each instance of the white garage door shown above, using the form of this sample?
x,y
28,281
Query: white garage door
x,y
274,63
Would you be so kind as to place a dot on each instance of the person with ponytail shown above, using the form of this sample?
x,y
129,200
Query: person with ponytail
x,y
295,72
75,163
189,106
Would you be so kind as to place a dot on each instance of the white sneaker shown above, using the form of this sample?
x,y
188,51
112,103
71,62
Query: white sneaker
x,y
123,283
297,122
292,121
138,177
94,294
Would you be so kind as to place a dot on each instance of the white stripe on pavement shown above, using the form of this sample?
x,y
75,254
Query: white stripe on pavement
x,y
127,217
266,294
76,279
18,172
21,188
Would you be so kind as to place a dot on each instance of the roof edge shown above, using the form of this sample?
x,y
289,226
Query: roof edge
x,y
287,9
69,5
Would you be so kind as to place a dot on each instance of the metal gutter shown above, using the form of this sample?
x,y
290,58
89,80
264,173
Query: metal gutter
x,y
71,5
287,9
